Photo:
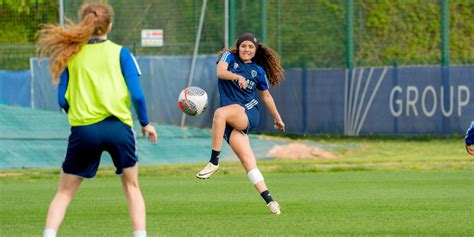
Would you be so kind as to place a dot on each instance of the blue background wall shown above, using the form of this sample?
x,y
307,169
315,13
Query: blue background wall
x,y
383,101
15,88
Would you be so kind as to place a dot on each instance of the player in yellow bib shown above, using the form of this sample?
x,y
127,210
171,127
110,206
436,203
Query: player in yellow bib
x,y
98,80
93,100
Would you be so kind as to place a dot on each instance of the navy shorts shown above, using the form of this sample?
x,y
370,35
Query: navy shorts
x,y
253,115
86,144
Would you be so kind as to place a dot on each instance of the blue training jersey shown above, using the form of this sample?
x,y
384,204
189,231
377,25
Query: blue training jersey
x,y
229,90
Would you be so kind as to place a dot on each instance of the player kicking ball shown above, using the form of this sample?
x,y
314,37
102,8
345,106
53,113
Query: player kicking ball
x,y
247,68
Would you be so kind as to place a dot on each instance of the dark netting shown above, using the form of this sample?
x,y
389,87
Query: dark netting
x,y
305,33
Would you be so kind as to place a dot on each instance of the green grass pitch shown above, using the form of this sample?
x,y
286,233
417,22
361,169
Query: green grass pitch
x,y
333,203
371,191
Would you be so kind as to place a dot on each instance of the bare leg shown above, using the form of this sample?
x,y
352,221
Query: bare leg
x,y
240,144
136,204
234,115
57,209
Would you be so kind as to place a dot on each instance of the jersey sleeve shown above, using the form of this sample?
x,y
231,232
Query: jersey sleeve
x,y
226,57
62,88
131,72
262,83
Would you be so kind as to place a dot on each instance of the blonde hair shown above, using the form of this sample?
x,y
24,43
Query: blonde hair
x,y
62,43
266,58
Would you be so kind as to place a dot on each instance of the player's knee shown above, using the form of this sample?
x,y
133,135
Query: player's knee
x,y
255,176
219,114
130,186
66,194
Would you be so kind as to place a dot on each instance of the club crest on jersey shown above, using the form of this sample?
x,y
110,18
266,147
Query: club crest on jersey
x,y
236,65
254,73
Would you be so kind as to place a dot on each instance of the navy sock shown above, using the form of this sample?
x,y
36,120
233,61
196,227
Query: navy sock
x,y
266,196
215,157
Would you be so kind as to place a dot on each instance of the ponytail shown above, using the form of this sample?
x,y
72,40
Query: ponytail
x,y
62,43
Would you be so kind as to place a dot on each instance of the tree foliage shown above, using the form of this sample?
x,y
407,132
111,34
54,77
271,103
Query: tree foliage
x,y
408,31
304,32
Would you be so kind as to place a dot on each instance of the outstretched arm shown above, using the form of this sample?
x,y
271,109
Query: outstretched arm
x,y
270,103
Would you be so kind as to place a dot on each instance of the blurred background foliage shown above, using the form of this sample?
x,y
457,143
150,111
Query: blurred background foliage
x,y
304,32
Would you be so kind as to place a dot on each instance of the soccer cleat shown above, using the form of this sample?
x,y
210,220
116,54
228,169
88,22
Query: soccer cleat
x,y
208,170
274,207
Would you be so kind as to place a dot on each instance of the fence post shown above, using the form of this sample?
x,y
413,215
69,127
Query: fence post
x,y
445,32
226,24
349,29
263,20
445,61
231,22
196,15
61,12
278,27
349,34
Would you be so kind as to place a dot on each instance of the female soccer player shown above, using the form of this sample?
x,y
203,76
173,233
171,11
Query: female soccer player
x,y
98,80
243,70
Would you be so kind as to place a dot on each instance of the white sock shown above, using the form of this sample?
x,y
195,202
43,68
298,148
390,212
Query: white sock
x,y
49,233
139,233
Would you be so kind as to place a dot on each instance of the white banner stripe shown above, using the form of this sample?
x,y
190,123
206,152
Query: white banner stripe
x,y
356,97
371,99
349,109
364,92
345,100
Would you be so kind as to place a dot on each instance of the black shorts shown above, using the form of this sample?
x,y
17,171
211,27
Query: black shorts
x,y
86,144
253,116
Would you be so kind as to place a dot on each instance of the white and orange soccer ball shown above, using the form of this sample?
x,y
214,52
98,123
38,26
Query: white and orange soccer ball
x,y
192,100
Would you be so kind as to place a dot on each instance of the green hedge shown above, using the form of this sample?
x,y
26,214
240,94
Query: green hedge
x,y
20,20
304,32
408,31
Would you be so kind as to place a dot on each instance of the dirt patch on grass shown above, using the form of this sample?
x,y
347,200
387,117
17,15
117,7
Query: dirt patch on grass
x,y
299,151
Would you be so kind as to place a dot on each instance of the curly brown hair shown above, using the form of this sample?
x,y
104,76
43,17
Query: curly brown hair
x,y
62,43
265,57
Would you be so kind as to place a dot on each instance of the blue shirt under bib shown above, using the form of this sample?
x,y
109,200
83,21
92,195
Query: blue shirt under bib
x,y
229,90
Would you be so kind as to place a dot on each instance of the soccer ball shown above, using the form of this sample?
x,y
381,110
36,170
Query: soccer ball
x,y
192,101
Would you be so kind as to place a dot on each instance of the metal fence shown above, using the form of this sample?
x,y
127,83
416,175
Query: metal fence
x,y
306,33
